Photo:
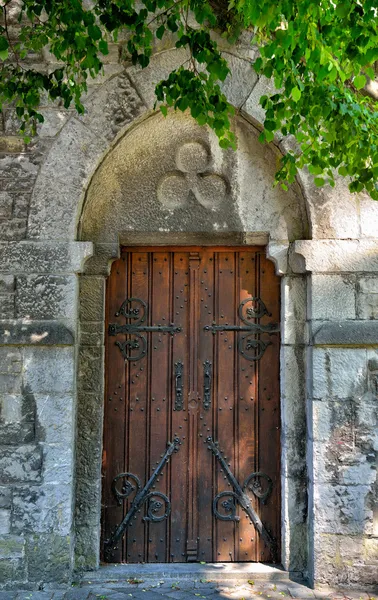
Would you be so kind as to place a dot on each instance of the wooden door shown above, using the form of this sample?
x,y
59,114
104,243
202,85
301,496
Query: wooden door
x,y
191,462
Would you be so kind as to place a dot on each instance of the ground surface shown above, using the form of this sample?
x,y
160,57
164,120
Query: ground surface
x,y
185,590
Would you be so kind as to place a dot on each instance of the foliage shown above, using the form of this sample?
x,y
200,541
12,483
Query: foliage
x,y
319,54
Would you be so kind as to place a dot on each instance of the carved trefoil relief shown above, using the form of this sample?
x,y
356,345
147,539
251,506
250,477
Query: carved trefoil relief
x,y
193,162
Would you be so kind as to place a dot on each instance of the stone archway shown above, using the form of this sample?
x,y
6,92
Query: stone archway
x,y
166,181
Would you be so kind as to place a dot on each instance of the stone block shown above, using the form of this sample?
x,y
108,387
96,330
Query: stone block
x,y
7,306
20,464
49,558
17,433
91,298
332,256
368,216
55,419
295,530
63,176
29,257
10,144
46,297
54,121
115,104
344,333
90,377
10,384
10,361
252,106
338,462
4,521
341,509
92,334
12,547
367,306
6,205
332,297
5,497
13,571
49,370
13,229
239,84
10,408
36,333
367,285
339,372
89,443
161,65
57,463
42,509
6,284
294,308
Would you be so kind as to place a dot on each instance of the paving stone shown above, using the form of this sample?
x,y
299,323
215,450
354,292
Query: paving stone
x,y
7,595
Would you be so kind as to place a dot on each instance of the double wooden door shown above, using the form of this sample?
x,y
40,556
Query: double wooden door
x,y
191,438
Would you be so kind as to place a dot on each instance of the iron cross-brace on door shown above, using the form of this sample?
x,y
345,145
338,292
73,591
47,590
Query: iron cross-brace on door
x,y
158,504
253,483
135,312
250,346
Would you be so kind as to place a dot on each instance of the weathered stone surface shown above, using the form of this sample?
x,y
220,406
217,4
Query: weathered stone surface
x,y
10,361
13,570
10,144
90,374
46,297
369,217
63,176
323,256
91,298
337,462
6,205
239,84
92,334
331,296
12,547
49,558
294,310
4,521
47,257
6,284
252,106
14,434
55,420
339,372
35,333
49,370
42,509
89,443
278,253
367,298
20,464
7,306
5,497
344,333
57,463
115,104
145,80
342,509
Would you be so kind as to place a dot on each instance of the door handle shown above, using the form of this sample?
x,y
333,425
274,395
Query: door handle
x,y
207,378
179,371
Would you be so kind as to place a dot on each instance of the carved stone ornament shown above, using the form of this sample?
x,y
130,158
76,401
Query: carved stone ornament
x,y
193,161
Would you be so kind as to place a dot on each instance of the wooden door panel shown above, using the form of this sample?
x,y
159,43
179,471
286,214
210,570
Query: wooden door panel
x,y
197,383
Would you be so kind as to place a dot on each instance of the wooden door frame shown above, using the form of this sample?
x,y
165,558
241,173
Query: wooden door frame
x,y
91,389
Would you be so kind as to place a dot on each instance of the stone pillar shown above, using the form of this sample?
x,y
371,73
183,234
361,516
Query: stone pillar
x,y
342,403
38,296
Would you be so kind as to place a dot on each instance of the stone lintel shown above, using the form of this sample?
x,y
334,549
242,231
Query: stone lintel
x,y
35,333
333,256
277,252
29,257
344,333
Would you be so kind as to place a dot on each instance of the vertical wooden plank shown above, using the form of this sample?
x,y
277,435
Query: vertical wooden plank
x,y
225,399
269,408
179,464
158,412
136,447
206,465
246,448
115,405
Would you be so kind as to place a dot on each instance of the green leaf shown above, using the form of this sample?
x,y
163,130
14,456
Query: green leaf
x,y
4,48
296,94
319,181
359,82
160,32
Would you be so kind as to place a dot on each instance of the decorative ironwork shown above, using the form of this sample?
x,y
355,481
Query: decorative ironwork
x,y
155,501
258,483
179,400
207,377
250,346
135,311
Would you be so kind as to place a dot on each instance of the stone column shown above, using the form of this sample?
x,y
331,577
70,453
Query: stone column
x,y
38,298
342,403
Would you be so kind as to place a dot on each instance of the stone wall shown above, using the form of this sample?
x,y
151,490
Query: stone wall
x,y
104,178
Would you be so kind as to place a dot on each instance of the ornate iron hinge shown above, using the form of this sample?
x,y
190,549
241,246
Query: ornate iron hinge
x,y
249,342
252,483
156,501
135,311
